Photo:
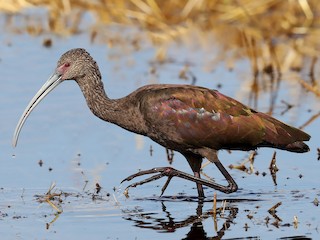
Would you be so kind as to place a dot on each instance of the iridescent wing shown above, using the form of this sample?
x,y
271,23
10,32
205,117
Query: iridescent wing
x,y
202,117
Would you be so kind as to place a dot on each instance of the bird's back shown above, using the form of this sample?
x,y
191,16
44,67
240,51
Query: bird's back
x,y
184,116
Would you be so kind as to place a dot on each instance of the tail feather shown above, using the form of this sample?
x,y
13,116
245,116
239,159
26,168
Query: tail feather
x,y
282,136
298,147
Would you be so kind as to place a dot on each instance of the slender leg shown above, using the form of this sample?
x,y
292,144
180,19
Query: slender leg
x,y
232,185
199,185
195,162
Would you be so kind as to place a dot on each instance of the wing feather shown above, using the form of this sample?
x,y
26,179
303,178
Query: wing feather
x,y
201,117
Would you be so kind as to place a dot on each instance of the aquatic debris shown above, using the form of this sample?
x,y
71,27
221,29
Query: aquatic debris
x,y
214,211
223,207
249,216
273,211
98,188
246,227
49,197
242,166
274,207
295,222
214,205
47,43
40,163
267,219
126,193
170,155
273,168
52,221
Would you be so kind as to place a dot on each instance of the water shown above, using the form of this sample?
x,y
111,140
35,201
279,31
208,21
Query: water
x,y
79,150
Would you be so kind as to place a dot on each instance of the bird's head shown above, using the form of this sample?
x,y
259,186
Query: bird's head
x,y
73,65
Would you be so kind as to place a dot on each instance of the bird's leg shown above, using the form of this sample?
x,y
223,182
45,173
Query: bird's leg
x,y
195,162
232,185
199,185
166,185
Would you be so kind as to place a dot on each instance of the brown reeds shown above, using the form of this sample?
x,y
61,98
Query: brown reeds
x,y
275,36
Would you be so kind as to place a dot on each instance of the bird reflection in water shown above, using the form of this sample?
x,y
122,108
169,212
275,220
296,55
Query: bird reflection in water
x,y
168,223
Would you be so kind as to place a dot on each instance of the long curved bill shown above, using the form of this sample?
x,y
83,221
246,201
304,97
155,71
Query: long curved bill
x,y
50,84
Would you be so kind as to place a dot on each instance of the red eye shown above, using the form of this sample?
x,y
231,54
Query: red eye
x,y
67,64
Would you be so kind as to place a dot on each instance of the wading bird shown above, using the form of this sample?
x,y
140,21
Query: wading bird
x,y
195,121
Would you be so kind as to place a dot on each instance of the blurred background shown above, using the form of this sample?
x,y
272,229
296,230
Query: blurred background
x,y
262,53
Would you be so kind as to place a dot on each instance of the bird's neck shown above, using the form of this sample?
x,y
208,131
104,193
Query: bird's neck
x,y
121,112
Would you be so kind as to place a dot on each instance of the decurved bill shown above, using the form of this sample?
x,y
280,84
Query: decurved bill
x,y
50,84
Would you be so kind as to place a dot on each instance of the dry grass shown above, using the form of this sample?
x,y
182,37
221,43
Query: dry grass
x,y
276,36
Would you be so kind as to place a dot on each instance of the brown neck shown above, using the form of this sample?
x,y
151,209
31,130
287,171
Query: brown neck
x,y
122,112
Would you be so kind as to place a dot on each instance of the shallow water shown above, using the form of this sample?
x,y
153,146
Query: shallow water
x,y
79,150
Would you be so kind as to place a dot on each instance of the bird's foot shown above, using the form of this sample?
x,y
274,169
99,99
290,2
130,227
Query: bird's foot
x,y
171,172
162,172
